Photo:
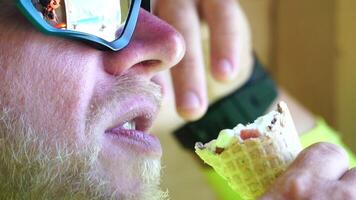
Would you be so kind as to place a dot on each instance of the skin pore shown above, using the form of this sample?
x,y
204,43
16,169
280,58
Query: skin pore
x,y
58,99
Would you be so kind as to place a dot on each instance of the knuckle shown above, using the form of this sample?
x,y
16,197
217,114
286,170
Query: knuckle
x,y
324,148
297,186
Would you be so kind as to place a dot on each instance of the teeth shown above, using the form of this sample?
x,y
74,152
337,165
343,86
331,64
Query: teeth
x,y
129,125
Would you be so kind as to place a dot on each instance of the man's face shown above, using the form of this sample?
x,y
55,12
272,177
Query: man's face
x,y
74,120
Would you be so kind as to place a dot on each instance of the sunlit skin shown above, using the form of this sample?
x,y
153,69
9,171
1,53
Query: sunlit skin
x,y
69,92
62,108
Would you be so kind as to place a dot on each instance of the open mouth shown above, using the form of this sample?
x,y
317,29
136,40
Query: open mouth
x,y
139,119
131,130
131,125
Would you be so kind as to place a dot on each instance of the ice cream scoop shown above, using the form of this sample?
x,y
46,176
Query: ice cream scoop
x,y
250,157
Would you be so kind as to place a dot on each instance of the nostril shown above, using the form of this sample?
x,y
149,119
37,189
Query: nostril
x,y
154,47
149,66
150,63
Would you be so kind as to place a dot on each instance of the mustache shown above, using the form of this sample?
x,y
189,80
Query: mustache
x,y
124,88
137,85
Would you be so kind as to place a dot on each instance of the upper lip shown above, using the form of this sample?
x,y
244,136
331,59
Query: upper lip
x,y
142,114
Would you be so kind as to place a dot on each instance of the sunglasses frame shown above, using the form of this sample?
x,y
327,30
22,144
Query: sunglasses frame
x,y
31,13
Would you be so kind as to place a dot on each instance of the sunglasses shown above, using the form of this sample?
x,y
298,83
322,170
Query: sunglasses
x,y
106,24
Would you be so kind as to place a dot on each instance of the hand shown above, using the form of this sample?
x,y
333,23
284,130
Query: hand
x,y
230,55
319,172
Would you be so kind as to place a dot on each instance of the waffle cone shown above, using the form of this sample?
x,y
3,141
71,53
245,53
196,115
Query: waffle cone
x,y
250,167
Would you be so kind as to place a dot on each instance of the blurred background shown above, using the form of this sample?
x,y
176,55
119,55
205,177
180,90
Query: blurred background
x,y
309,47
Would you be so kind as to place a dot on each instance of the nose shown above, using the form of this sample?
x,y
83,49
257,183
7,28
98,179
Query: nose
x,y
154,46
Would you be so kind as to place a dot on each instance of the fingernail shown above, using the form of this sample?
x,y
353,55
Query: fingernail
x,y
226,69
190,101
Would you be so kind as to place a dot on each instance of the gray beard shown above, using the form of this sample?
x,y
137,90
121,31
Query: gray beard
x,y
36,167
30,169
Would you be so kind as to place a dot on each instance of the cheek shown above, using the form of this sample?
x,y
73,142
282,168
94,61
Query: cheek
x,y
48,80
65,95
55,93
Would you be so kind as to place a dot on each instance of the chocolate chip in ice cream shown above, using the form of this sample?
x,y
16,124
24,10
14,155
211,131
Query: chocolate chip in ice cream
x,y
274,121
219,150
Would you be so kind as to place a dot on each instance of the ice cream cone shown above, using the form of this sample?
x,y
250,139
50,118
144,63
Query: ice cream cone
x,y
250,166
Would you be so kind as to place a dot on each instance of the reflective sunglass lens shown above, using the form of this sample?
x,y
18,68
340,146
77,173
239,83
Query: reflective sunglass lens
x,y
105,19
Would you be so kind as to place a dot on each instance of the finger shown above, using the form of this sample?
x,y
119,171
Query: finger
x,y
323,160
188,76
229,37
349,177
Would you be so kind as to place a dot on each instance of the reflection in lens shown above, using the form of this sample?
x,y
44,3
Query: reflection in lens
x,y
52,11
105,19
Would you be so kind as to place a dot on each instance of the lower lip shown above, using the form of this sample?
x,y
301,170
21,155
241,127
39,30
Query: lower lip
x,y
139,141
